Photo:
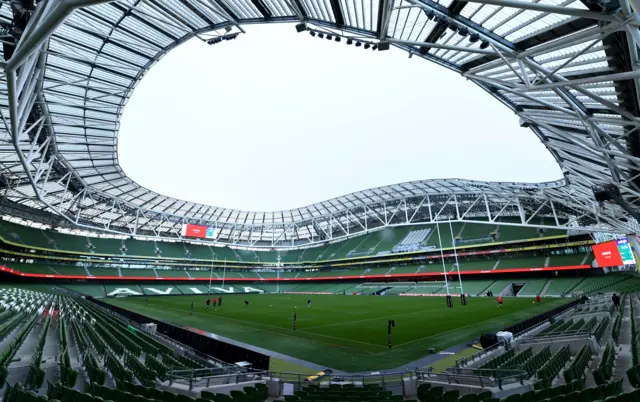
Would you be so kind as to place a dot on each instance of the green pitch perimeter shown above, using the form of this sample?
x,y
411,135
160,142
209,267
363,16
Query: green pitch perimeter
x,y
347,333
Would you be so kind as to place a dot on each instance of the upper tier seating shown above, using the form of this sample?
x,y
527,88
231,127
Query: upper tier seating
x,y
533,287
412,241
479,263
378,242
562,286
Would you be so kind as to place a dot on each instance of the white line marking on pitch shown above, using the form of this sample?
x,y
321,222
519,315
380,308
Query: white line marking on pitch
x,y
456,329
276,327
371,319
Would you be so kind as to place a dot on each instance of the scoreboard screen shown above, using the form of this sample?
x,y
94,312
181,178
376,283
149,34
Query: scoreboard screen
x,y
198,232
614,253
625,251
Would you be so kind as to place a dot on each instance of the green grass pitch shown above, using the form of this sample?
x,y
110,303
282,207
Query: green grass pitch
x,y
347,333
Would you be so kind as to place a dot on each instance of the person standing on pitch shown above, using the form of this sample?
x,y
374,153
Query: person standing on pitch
x,y
208,302
215,302
309,303
294,320
220,302
499,301
146,300
191,311
537,298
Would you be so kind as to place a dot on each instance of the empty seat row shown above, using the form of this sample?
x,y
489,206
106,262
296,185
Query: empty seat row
x,y
603,373
552,367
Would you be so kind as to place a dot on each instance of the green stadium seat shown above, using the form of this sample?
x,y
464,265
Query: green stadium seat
x,y
528,396
238,396
511,398
432,394
451,396
633,374
572,397
626,397
597,394
585,396
262,390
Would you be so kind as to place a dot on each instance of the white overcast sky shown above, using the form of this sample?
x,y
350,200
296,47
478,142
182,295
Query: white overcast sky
x,y
276,120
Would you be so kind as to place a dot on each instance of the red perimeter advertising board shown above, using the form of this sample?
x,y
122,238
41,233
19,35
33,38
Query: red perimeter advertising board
x,y
607,254
194,231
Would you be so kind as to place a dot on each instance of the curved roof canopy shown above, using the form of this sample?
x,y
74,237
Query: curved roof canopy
x,y
568,69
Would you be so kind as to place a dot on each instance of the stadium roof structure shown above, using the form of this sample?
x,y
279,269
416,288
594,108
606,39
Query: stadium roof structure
x,y
568,69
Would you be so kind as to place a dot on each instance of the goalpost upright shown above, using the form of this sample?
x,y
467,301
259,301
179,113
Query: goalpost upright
x,y
444,267
455,255
210,276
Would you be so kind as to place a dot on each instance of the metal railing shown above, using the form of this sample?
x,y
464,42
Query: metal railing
x,y
584,332
204,378
463,361
484,378
209,377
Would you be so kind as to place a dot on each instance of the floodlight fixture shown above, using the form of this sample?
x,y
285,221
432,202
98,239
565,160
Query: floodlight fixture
x,y
358,44
312,33
474,37
338,39
610,7
320,35
349,41
484,44
367,46
329,37
301,27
